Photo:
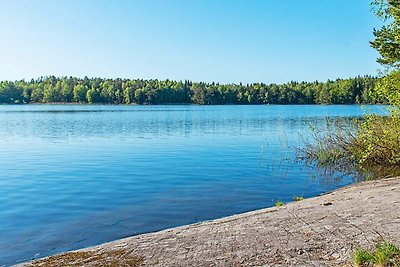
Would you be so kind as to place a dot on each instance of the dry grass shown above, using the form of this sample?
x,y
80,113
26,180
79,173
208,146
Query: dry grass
x,y
114,258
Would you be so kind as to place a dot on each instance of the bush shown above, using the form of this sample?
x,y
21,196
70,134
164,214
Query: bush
x,y
370,146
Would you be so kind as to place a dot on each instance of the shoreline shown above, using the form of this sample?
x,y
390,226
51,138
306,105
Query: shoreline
x,y
319,231
181,104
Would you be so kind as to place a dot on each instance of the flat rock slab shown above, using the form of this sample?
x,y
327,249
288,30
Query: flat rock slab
x,y
320,231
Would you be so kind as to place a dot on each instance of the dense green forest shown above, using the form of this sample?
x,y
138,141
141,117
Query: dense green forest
x,y
124,91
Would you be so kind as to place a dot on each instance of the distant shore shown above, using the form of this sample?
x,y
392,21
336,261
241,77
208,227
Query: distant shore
x,y
183,104
320,231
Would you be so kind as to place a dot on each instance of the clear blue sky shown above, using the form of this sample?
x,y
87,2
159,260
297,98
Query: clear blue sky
x,y
202,40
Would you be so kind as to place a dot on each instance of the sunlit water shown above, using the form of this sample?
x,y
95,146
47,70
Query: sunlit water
x,y
72,176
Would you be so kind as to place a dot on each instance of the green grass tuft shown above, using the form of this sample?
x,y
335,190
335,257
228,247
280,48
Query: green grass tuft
x,y
362,257
298,198
384,255
279,204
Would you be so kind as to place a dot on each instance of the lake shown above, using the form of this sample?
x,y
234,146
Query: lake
x,y
73,176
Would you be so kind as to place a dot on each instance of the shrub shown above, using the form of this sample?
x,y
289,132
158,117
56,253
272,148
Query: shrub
x,y
370,146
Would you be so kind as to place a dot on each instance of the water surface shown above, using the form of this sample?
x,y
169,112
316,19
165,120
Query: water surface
x,y
73,175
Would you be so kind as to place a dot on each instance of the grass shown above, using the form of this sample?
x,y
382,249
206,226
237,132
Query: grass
x,y
280,203
384,255
114,258
298,198
369,147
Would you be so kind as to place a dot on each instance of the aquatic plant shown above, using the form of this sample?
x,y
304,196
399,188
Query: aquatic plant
x,y
370,147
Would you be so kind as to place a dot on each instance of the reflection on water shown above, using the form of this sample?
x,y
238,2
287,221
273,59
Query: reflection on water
x,y
73,176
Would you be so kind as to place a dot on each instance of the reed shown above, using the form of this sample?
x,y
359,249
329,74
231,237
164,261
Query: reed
x,y
369,146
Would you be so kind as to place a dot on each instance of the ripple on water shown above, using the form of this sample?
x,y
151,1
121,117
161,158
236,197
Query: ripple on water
x,y
75,176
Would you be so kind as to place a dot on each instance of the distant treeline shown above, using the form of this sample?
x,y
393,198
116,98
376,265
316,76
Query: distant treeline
x,y
125,91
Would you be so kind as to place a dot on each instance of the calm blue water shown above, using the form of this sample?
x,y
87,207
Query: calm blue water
x,y
74,176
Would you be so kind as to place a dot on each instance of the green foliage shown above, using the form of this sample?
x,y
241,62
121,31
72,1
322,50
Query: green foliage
x,y
387,89
387,38
93,96
387,43
11,93
378,141
298,198
370,147
279,204
362,257
80,92
118,91
385,254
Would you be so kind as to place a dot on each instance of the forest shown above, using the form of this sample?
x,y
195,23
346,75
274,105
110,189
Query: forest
x,y
151,92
